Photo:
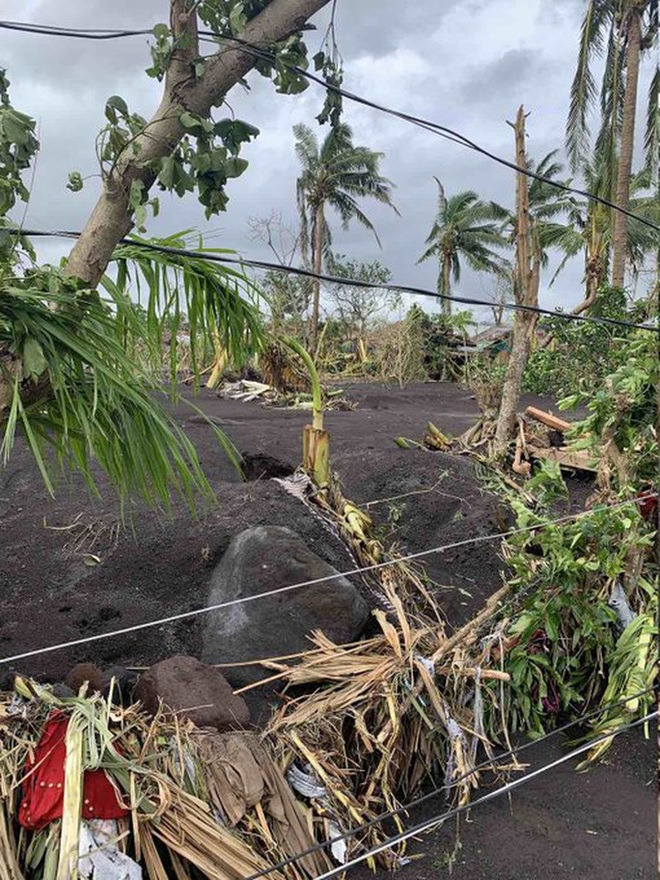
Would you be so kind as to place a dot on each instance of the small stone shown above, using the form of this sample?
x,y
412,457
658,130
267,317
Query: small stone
x,y
85,672
201,692
62,691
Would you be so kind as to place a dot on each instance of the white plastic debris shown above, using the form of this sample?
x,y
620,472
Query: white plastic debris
x,y
100,857
619,602
427,663
306,782
339,849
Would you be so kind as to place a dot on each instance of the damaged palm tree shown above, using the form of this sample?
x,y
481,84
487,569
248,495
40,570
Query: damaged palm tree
x,y
526,291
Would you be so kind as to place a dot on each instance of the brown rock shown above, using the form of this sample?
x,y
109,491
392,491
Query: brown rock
x,y
198,691
85,672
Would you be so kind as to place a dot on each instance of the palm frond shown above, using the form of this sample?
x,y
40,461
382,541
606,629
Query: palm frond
x,y
652,134
211,300
306,146
81,403
584,93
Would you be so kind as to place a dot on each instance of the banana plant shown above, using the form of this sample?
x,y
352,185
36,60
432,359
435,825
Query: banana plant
x,y
316,440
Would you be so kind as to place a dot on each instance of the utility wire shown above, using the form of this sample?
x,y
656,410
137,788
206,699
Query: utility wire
x,y
265,55
487,764
429,824
421,554
334,279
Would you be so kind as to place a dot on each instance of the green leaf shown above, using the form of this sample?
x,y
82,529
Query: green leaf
x,y
136,194
167,171
34,362
161,31
235,166
75,183
16,126
115,104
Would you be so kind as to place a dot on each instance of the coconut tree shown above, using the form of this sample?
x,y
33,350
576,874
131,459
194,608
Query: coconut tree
x,y
465,228
621,30
335,174
588,230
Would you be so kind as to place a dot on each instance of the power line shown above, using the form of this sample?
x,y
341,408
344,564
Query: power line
x,y
334,279
266,55
484,765
429,824
421,554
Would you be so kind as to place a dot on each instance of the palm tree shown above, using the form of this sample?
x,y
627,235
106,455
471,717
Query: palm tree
x,y
336,173
465,228
623,30
588,230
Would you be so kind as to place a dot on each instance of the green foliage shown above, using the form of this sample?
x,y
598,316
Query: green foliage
x,y
565,652
288,297
442,333
205,159
75,392
624,411
18,146
604,33
358,306
182,291
565,635
581,354
208,156
336,173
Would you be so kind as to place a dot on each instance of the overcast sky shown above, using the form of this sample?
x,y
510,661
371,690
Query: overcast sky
x,y
467,65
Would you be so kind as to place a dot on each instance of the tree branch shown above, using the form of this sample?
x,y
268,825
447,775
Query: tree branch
x,y
111,218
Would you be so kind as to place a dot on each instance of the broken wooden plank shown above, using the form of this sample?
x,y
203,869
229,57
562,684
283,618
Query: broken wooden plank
x,y
547,419
577,460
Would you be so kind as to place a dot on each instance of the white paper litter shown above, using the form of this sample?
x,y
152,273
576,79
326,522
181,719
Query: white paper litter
x,y
100,858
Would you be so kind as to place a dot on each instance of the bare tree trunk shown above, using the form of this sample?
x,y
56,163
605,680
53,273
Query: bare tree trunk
x,y
528,267
317,265
445,280
111,218
620,236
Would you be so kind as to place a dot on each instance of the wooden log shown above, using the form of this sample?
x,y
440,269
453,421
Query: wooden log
x,y
547,419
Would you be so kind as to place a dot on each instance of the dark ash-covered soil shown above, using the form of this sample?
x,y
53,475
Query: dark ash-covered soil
x,y
67,572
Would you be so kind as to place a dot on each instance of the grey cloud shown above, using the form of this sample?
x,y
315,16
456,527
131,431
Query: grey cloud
x,y
507,80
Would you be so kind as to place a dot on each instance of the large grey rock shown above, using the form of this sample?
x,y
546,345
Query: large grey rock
x,y
191,688
265,558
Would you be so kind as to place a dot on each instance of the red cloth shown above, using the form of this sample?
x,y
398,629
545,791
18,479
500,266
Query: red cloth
x,y
43,788
648,503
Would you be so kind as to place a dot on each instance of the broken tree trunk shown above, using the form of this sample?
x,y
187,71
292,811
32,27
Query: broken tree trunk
x,y
526,289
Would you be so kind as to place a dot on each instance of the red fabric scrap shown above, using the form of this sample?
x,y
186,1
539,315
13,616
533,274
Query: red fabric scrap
x,y
648,503
43,788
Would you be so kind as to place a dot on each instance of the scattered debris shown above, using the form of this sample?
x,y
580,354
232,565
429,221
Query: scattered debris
x,y
248,390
